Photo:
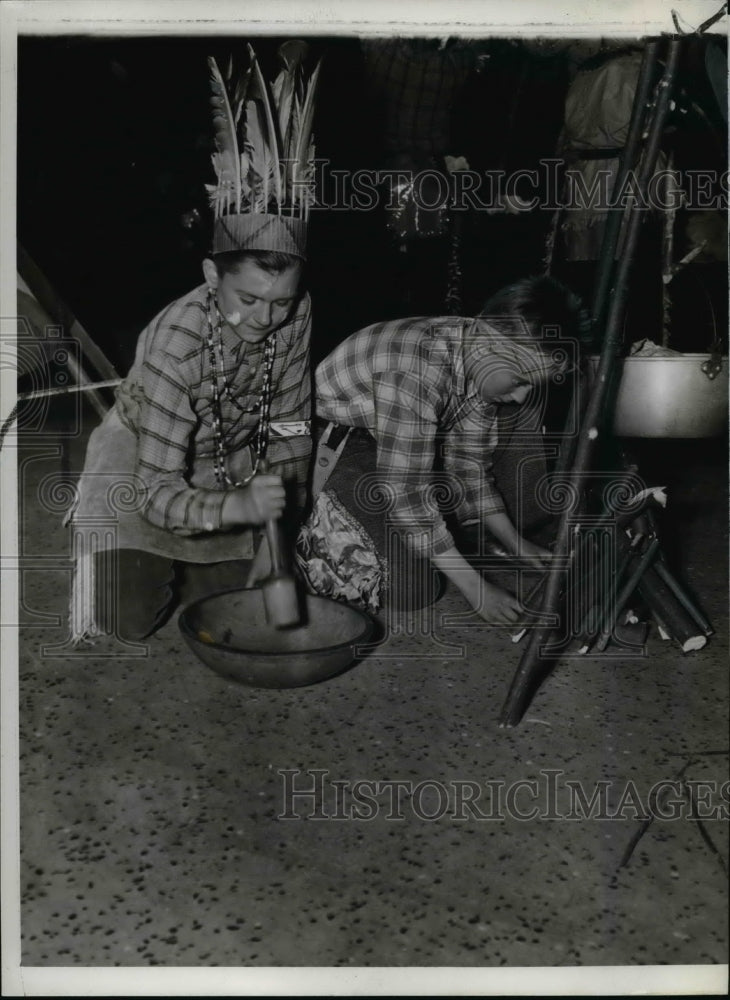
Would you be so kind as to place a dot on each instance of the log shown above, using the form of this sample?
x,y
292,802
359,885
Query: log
x,y
686,602
616,603
669,613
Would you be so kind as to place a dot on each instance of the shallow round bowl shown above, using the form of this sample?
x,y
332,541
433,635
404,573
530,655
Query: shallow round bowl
x,y
229,633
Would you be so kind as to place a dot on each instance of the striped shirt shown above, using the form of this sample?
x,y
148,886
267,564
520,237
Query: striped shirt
x,y
404,382
166,400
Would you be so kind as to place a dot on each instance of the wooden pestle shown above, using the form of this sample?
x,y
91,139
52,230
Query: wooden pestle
x,y
281,602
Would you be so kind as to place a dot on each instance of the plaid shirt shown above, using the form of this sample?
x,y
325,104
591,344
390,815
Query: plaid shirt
x,y
404,382
167,401
419,83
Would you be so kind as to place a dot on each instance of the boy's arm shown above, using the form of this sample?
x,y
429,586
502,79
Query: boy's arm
x,y
405,431
166,424
468,455
406,435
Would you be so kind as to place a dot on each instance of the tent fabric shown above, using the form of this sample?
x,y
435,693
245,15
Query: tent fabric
x,y
597,116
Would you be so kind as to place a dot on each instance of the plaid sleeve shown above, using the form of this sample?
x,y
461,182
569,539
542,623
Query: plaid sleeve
x,y
166,426
292,400
405,431
467,451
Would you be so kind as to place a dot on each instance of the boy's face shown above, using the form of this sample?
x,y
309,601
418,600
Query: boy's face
x,y
498,381
253,302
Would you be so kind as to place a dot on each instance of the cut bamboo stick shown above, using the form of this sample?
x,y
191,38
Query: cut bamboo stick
x,y
615,607
683,599
669,613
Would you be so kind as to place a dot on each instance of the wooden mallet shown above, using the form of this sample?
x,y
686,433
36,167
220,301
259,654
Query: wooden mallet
x,y
281,602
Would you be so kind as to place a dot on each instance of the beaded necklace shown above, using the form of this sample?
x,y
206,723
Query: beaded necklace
x,y
214,340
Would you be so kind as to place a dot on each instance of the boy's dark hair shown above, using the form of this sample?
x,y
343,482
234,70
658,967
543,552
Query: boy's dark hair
x,y
539,301
272,261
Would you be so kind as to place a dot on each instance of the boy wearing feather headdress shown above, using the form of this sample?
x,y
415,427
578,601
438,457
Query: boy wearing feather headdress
x,y
211,424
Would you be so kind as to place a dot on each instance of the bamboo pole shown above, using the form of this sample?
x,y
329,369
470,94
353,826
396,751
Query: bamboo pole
x,y
711,20
30,310
667,267
612,230
60,313
71,389
627,161
595,414
90,387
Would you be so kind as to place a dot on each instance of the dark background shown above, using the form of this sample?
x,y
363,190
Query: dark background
x,y
114,143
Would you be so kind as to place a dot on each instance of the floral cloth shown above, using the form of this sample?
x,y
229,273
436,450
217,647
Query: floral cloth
x,y
337,556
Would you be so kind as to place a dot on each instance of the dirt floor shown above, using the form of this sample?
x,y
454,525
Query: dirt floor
x,y
156,829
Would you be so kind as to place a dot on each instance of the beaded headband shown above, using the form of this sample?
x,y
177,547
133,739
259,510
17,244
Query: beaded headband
x,y
264,159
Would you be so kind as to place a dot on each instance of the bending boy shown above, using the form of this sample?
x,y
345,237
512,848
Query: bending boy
x,y
421,397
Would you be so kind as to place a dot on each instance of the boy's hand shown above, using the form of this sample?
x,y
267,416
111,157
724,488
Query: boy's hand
x,y
494,605
506,534
262,500
533,554
497,606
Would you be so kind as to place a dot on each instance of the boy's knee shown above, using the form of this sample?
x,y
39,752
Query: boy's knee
x,y
135,593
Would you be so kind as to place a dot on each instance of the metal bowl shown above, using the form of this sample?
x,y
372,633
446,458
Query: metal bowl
x,y
669,397
228,631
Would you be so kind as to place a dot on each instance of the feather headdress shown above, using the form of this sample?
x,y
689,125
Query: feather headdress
x,y
264,158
